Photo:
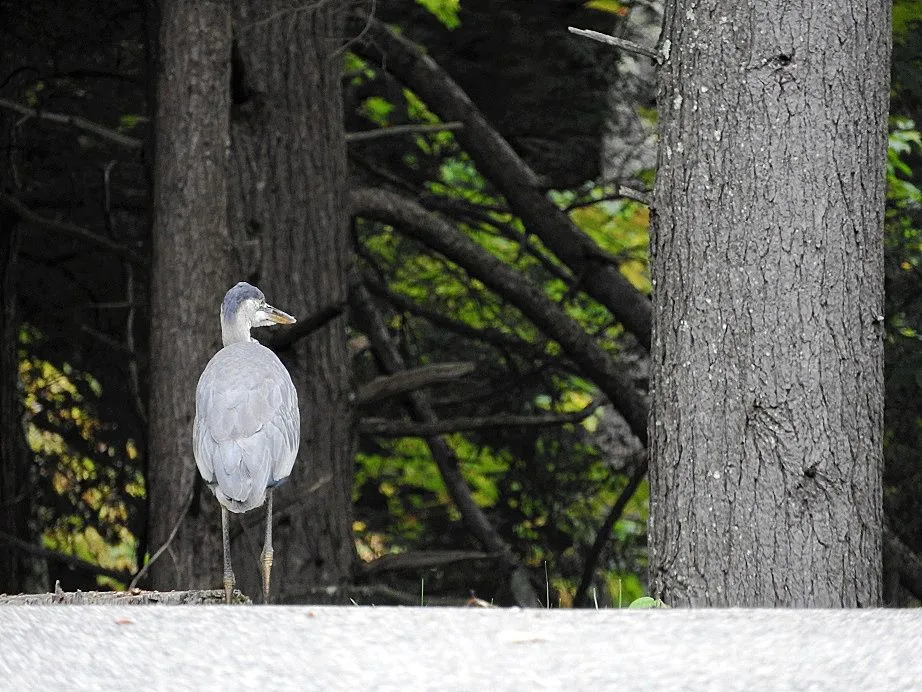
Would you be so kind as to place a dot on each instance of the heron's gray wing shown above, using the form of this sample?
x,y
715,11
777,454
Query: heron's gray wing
x,y
246,427
286,429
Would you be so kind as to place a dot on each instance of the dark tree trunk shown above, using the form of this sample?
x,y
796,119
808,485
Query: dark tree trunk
x,y
191,271
14,482
289,177
767,389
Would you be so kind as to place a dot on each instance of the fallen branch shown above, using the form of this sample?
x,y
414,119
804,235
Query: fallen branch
x,y
75,121
621,43
405,381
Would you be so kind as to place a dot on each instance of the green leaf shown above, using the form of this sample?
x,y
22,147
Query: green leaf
x,y
611,6
647,602
446,11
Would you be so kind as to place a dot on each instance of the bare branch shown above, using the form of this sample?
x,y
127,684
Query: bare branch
x,y
464,210
386,427
605,530
369,321
166,544
75,121
636,195
284,338
394,130
512,176
410,380
432,230
107,340
489,335
621,43
623,192
70,230
420,560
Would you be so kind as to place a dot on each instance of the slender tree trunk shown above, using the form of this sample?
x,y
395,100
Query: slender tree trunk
x,y
191,271
289,170
767,388
14,486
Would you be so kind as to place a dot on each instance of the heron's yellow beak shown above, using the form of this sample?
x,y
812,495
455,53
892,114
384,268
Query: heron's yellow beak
x,y
277,316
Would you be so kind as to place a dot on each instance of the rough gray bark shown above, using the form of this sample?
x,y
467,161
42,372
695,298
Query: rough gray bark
x,y
768,289
191,271
289,178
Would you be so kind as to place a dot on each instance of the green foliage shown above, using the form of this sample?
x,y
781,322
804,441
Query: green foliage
x,y
87,483
610,6
446,11
647,602
906,13
128,122
548,489
377,109
902,346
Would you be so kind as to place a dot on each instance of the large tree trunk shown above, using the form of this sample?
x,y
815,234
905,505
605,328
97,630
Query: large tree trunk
x,y
191,271
289,169
768,289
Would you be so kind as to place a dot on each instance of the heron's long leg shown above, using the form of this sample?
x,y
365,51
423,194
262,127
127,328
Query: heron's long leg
x,y
228,570
267,548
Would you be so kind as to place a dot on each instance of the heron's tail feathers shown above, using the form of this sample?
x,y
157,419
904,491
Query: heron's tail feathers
x,y
239,480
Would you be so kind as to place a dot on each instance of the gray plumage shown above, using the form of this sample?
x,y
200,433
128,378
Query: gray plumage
x,y
246,426
246,430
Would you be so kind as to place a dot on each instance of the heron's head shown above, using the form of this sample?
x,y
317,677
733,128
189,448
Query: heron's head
x,y
245,307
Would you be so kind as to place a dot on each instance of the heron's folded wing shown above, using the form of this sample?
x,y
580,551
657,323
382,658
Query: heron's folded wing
x,y
285,428
246,430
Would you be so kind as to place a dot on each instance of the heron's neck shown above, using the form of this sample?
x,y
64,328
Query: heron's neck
x,y
235,330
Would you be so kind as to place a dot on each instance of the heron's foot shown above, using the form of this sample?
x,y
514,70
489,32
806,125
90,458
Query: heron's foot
x,y
267,571
229,588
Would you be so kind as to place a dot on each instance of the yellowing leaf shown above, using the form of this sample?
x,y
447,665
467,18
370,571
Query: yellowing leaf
x,y
612,6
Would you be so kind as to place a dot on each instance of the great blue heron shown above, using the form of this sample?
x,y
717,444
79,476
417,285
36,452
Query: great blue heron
x,y
247,429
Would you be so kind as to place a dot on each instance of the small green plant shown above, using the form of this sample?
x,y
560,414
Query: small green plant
x,y
647,602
